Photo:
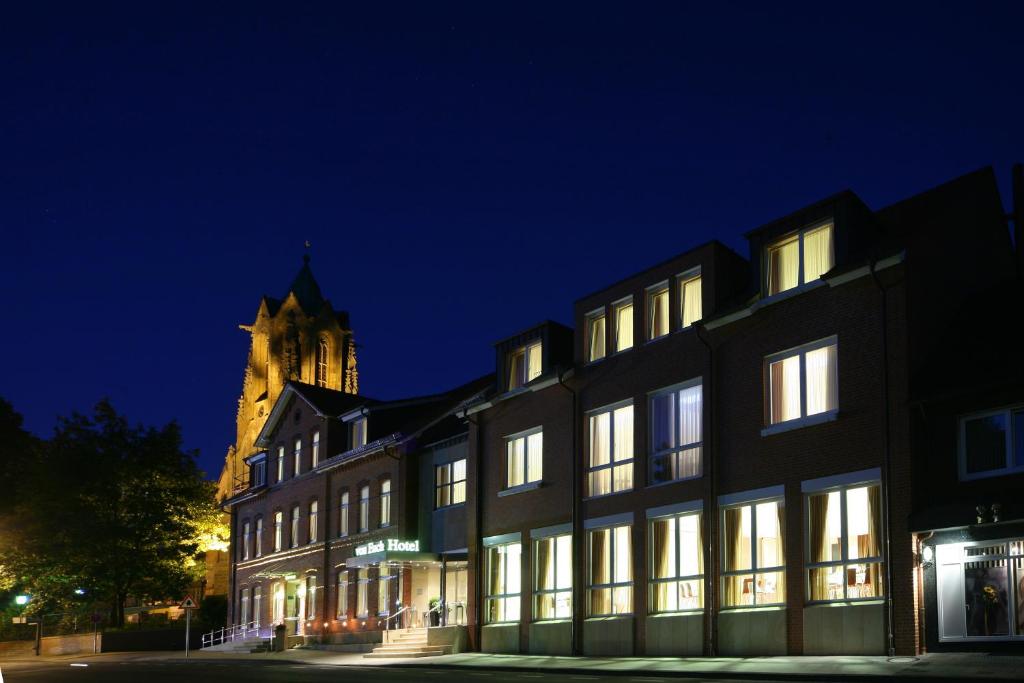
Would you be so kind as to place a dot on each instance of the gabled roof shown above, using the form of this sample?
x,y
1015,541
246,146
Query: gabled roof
x,y
325,402
306,290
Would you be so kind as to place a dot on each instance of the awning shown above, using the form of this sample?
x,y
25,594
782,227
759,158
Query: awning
x,y
390,557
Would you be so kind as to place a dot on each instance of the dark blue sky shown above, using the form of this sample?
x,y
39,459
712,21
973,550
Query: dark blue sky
x,y
462,170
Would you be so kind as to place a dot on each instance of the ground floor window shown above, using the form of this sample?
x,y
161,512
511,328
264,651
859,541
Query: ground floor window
x,y
844,528
310,598
980,590
504,582
362,588
257,605
279,603
677,563
552,598
342,610
754,555
243,596
610,584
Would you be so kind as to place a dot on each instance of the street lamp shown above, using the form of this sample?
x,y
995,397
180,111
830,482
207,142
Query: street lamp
x,y
21,600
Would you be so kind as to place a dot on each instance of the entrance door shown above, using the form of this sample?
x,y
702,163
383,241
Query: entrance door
x,y
980,590
294,607
456,592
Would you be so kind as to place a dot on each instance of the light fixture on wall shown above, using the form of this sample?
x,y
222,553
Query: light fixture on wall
x,y
927,556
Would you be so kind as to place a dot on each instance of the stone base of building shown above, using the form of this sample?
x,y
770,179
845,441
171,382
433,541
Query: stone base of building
x,y
752,632
551,637
500,639
608,637
845,629
674,635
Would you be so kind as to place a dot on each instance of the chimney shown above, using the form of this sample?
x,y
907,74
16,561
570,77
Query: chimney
x,y
1017,213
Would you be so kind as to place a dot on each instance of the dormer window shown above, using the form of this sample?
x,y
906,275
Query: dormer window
x,y
258,471
691,307
524,364
657,311
623,315
799,258
596,335
357,432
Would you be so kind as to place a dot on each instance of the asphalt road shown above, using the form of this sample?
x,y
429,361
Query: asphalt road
x,y
131,670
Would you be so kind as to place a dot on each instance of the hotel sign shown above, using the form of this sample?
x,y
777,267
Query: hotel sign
x,y
391,545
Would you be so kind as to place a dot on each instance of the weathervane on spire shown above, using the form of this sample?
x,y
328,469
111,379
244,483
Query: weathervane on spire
x,y
305,257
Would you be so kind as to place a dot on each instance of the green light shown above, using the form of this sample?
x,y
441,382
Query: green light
x,y
21,599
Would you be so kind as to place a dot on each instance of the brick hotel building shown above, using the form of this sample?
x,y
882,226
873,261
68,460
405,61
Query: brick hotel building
x,y
818,449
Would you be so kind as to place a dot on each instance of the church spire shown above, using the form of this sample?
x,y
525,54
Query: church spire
x,y
305,288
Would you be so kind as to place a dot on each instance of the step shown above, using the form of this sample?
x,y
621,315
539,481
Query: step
x,y
401,655
406,648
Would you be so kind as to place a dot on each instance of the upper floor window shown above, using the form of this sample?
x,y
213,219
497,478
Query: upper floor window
x,y
803,382
596,335
524,364
258,472
297,454
677,563
313,514
845,533
259,537
524,459
677,425
623,314
992,443
315,450
364,507
278,531
754,569
450,483
799,258
321,362
610,578
504,582
280,463
611,451
691,305
385,502
295,527
245,540
657,311
552,595
343,515
357,433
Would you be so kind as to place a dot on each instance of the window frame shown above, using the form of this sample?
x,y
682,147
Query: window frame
x,y
450,484
540,593
754,569
344,514
297,454
385,503
246,535
258,545
322,362
357,432
296,522
529,374
653,582
364,509
589,319
613,585
524,436
278,531
314,451
804,419
341,599
624,302
612,462
682,280
652,456
650,293
798,235
1010,468
314,517
280,463
504,597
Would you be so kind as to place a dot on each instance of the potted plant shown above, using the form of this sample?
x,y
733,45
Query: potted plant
x,y
435,611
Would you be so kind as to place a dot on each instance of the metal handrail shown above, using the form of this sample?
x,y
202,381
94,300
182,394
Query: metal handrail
x,y
387,619
230,633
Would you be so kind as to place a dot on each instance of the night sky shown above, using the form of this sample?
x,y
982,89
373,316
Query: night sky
x,y
461,170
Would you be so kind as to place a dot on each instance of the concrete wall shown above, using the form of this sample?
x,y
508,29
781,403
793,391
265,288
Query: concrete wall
x,y
500,638
453,636
76,644
756,632
844,629
551,638
17,648
608,637
674,635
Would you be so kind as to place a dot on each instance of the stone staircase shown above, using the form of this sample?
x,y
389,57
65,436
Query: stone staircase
x,y
410,642
247,645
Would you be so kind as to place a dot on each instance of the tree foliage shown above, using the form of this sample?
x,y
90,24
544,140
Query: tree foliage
x,y
108,508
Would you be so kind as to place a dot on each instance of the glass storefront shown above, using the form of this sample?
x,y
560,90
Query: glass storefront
x,y
980,590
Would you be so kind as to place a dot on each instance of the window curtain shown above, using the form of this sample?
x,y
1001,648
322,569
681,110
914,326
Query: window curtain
x,y
818,510
533,362
692,304
600,566
516,464
872,545
515,369
735,554
817,252
691,426
785,389
783,266
624,327
658,311
534,455
257,605
821,380
623,433
597,338
664,545
600,437
545,565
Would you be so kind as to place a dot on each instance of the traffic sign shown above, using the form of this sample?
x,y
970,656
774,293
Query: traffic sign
x,y
188,603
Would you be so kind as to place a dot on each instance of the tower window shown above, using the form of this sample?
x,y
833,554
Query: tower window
x,y
321,362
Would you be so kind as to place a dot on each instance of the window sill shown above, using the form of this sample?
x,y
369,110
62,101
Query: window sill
x,y
673,481
791,292
845,602
801,422
449,507
753,608
610,617
606,495
522,488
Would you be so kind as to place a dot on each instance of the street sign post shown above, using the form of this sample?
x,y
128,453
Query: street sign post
x,y
188,604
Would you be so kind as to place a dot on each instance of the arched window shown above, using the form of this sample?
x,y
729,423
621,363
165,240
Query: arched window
x,y
321,362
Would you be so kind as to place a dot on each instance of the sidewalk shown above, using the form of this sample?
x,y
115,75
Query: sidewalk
x,y
945,666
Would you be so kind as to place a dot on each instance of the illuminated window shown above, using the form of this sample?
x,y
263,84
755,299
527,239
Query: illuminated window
x,y
845,532
802,382
677,563
362,589
279,603
364,508
799,258
753,552
450,484
504,582
315,450
278,530
610,571
243,595
257,605
310,597
321,362
524,459
280,463
343,515
357,431
623,315
524,364
384,580
297,454
610,469
258,471
342,604
313,509
245,540
259,536
691,306
992,443
677,425
385,503
596,336
295,527
657,311
552,594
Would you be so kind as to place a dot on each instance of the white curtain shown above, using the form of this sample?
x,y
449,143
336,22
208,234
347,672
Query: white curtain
x,y
624,433
785,389
769,536
783,266
600,437
692,304
533,361
691,423
658,307
817,252
515,462
821,380
624,327
597,338
535,456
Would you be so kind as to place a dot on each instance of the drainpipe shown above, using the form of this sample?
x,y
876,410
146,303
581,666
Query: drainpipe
x,y
575,633
1017,215
711,511
886,498
478,513
921,626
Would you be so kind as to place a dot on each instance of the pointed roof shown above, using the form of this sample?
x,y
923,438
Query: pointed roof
x,y
306,290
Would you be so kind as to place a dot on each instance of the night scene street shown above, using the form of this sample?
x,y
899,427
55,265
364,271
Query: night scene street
x,y
401,341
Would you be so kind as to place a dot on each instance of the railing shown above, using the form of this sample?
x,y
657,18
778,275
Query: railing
x,y
387,619
231,633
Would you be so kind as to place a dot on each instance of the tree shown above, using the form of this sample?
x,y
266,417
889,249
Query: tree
x,y
110,509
